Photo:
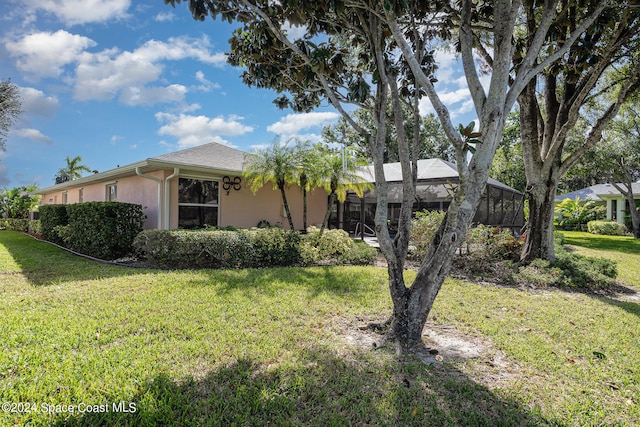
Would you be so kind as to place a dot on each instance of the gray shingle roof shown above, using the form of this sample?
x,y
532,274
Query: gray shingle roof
x,y
595,191
428,169
212,155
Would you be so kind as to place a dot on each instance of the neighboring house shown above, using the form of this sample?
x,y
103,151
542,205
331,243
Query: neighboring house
x,y
616,202
191,188
501,205
203,185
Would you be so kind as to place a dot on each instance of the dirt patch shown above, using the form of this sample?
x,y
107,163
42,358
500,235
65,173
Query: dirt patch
x,y
477,357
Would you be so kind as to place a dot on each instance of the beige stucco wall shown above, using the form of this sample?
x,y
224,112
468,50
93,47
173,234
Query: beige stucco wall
x,y
133,189
240,208
244,209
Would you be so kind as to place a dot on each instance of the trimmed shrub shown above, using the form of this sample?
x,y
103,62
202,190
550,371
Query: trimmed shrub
x,y
194,249
335,246
610,228
52,216
218,248
264,247
34,227
274,246
359,254
102,229
14,224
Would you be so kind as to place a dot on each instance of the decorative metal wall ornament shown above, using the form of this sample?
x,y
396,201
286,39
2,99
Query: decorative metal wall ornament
x,y
228,183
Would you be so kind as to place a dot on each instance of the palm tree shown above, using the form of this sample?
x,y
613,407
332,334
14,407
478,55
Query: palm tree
x,y
276,164
340,175
74,168
309,172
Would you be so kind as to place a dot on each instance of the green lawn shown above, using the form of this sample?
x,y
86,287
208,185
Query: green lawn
x,y
625,250
275,347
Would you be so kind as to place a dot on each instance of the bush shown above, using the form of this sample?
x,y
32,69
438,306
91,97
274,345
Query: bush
x,y
100,229
586,272
14,224
610,228
423,227
52,216
264,247
274,246
194,249
360,254
218,248
570,270
575,213
493,243
334,246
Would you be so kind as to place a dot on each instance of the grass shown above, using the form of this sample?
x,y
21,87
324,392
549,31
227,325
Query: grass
x,y
625,250
260,347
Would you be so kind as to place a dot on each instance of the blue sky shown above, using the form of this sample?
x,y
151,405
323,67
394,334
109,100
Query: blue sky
x,y
118,81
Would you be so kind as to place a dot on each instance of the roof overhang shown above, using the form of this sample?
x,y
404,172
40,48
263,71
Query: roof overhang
x,y
145,166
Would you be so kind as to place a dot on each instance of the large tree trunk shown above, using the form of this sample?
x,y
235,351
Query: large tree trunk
x,y
539,229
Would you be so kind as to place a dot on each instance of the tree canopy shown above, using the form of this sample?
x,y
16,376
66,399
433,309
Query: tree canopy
x,y
10,108
379,56
554,100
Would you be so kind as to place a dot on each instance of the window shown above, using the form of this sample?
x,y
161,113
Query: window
x,y
64,198
112,192
81,195
197,203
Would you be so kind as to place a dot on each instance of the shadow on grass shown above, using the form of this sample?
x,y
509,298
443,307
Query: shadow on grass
x,y
316,280
44,264
622,244
628,306
321,390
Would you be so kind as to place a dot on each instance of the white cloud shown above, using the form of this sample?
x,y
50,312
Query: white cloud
x,y
294,32
45,54
195,130
152,95
293,123
164,17
205,85
115,138
35,102
72,12
32,134
103,75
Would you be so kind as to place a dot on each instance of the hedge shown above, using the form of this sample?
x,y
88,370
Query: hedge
x,y
258,247
610,228
51,217
104,230
14,224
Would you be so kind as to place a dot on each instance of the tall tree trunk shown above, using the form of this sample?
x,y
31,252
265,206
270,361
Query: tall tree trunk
x,y
286,206
303,186
325,221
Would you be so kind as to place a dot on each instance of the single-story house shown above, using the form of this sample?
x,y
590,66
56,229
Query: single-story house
x,y
191,188
616,202
203,185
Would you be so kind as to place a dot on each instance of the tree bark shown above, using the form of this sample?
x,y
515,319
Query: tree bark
x,y
627,191
285,204
539,229
325,221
